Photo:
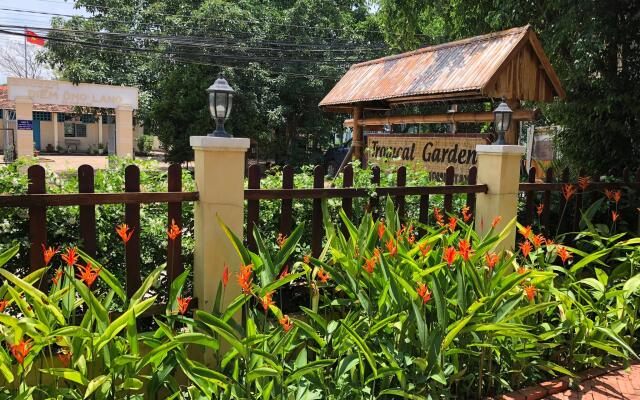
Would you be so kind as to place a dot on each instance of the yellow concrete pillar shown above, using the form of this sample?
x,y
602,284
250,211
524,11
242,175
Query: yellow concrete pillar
x,y
24,137
499,169
219,173
99,121
54,122
124,131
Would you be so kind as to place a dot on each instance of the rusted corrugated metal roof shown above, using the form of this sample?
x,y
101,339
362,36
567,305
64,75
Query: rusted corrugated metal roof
x,y
452,70
6,104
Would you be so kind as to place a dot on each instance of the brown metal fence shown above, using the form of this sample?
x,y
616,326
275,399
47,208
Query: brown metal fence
x,y
254,195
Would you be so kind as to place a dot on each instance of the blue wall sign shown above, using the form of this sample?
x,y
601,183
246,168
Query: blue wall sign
x,y
25,125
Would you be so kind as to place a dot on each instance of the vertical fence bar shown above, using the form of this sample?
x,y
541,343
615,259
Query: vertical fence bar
x,y
253,207
316,217
531,198
546,203
577,215
374,202
87,213
174,250
625,174
37,218
423,218
132,218
448,198
471,197
286,207
347,202
401,181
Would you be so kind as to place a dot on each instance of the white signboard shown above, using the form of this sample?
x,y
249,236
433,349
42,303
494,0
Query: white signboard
x,y
68,94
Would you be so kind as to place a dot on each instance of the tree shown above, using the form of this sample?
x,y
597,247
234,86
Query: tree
x,y
593,45
12,62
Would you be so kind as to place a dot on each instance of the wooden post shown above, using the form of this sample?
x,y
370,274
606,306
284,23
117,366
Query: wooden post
x,y
511,135
356,142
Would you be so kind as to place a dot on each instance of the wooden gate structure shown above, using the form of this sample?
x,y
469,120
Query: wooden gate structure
x,y
508,65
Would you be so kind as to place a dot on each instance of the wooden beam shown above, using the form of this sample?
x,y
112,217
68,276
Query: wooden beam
x,y
357,133
448,118
512,135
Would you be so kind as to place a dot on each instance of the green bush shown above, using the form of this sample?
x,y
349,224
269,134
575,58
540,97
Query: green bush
x,y
144,144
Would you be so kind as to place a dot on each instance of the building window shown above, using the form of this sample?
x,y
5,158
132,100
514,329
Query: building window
x,y
75,129
108,119
63,117
88,118
1,114
10,114
41,116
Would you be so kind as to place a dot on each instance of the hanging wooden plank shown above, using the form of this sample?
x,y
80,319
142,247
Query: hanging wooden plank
x,y
132,218
87,218
347,202
37,218
253,207
174,215
316,216
401,181
286,208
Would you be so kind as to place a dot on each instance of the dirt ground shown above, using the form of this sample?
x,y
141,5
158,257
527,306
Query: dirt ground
x,y
66,162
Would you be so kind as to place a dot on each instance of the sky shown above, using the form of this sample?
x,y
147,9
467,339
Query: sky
x,y
29,19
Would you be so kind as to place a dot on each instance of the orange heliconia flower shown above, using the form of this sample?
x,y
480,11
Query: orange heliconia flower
x,y
183,304
549,242
370,264
225,275
568,191
438,216
3,304
614,216
70,257
125,232
583,182
281,240
245,279
464,248
453,221
609,194
492,259
307,259
525,231
525,247
48,253
539,209
267,301
376,253
617,195
530,291
521,270
411,239
423,292
381,229
173,232
449,255
466,214
285,322
496,221
323,275
393,249
564,254
88,274
538,240
56,278
21,350
64,357
284,272
424,249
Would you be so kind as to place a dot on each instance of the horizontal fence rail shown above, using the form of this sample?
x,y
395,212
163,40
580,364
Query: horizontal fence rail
x,y
37,200
254,195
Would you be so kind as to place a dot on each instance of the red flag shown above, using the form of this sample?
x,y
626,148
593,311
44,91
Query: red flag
x,y
33,38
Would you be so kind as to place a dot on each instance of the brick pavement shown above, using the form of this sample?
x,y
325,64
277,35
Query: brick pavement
x,y
596,384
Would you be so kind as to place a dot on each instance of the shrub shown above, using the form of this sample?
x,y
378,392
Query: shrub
x,y
144,144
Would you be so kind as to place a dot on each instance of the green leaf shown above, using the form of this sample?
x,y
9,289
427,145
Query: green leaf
x,y
95,383
364,349
262,372
454,329
309,331
105,275
121,322
68,374
401,393
631,286
147,284
309,368
236,242
223,329
176,289
8,254
618,340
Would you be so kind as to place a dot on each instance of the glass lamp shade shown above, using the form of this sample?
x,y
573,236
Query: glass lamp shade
x,y
502,117
220,102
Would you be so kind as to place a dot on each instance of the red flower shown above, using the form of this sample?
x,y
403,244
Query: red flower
x,y
370,264
21,350
411,239
564,254
583,182
568,191
285,322
57,276
530,291
281,240
464,248
521,270
525,247
525,231
453,221
617,195
183,304
284,272
376,253
492,259
424,249
173,232
466,214
393,249
64,357
538,240
225,275
245,279
3,304
614,216
87,274
438,216
307,259
125,232
323,275
609,194
267,301
539,209
381,229
496,221
48,253
449,255
70,257
424,293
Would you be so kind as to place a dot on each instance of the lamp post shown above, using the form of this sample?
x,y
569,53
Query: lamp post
x,y
501,121
220,101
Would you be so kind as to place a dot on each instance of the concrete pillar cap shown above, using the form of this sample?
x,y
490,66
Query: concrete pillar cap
x,y
500,149
219,143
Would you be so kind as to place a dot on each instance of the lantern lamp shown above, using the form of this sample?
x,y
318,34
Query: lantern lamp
x,y
501,120
220,101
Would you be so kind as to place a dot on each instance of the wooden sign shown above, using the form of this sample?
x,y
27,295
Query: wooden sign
x,y
433,152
